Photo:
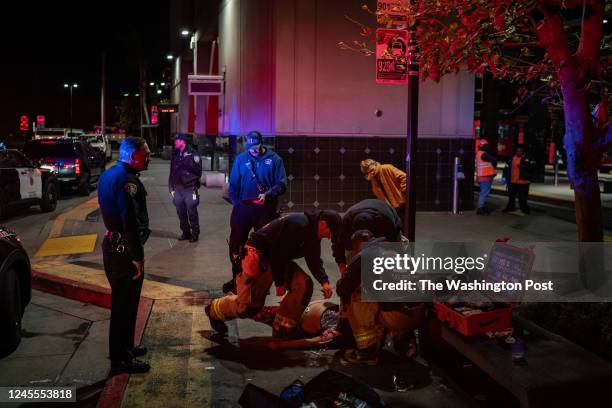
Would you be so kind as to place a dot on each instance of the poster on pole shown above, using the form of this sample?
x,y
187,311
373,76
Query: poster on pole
x,y
395,11
391,56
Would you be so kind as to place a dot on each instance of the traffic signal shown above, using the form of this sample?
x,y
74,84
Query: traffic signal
x,y
24,124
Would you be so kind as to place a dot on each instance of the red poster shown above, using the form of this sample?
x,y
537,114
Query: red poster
x,y
391,56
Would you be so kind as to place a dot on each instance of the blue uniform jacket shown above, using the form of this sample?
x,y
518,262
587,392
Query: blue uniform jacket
x,y
185,170
270,171
123,205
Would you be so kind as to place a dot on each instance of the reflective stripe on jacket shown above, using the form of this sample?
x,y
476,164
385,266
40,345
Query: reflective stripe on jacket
x,y
484,168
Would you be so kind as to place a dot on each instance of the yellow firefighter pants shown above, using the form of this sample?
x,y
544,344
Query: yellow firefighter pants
x,y
251,296
368,322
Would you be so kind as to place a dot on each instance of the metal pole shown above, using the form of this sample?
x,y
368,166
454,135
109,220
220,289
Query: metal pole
x,y
411,140
102,96
556,169
71,86
456,186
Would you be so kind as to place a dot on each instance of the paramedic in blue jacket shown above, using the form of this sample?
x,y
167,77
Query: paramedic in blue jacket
x,y
256,181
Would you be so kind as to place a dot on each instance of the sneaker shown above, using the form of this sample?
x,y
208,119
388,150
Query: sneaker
x,y
366,356
217,325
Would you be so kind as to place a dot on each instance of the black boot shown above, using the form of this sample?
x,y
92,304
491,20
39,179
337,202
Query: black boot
x,y
185,236
483,211
229,286
139,351
217,325
194,238
132,366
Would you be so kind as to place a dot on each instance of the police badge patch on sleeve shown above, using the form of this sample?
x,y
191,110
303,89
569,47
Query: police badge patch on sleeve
x,y
131,189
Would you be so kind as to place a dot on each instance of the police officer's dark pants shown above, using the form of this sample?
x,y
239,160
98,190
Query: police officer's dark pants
x,y
187,210
125,296
520,190
244,218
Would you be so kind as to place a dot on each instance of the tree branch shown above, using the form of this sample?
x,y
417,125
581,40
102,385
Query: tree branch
x,y
590,36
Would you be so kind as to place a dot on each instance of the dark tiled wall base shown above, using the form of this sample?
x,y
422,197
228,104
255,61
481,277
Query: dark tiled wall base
x,y
323,172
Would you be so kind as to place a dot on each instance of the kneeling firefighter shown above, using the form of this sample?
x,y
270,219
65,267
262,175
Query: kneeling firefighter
x,y
370,320
268,257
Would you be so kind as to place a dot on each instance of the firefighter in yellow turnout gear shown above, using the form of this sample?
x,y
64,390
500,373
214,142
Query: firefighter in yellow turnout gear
x,y
370,321
268,258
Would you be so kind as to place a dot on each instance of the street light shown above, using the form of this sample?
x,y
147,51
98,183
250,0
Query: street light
x,y
71,87
126,94
162,83
159,91
184,32
152,83
169,57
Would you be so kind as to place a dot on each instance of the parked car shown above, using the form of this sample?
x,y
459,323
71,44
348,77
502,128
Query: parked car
x,y
75,164
23,183
15,289
101,143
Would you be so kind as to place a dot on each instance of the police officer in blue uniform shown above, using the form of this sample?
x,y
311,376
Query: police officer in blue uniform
x,y
184,182
256,181
122,199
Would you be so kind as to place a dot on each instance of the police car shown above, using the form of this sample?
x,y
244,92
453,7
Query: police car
x,y
15,289
23,183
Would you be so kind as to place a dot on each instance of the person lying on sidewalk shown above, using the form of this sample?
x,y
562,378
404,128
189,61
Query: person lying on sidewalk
x,y
372,215
369,321
268,257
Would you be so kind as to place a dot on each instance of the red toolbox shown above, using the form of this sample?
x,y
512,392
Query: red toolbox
x,y
506,263
497,319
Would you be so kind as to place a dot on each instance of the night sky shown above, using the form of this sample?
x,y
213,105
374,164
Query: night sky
x,y
45,44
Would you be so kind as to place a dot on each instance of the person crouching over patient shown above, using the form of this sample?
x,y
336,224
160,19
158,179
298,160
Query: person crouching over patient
x,y
268,257
370,321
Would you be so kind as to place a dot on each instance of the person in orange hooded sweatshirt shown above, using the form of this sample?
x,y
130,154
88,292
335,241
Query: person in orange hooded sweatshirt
x,y
388,183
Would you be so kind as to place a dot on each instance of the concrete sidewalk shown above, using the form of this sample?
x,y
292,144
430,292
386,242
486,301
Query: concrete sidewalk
x,y
193,367
64,344
546,191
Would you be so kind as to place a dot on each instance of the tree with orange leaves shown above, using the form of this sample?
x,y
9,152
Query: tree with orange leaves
x,y
552,48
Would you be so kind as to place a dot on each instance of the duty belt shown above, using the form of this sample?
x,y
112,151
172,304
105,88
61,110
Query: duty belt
x,y
118,242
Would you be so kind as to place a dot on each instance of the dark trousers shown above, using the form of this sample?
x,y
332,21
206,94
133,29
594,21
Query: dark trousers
x,y
244,218
187,210
125,296
520,190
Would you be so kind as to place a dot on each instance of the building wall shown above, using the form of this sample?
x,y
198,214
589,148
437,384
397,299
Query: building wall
x,y
287,77
178,95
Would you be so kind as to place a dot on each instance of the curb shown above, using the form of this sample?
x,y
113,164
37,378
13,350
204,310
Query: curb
x,y
112,394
